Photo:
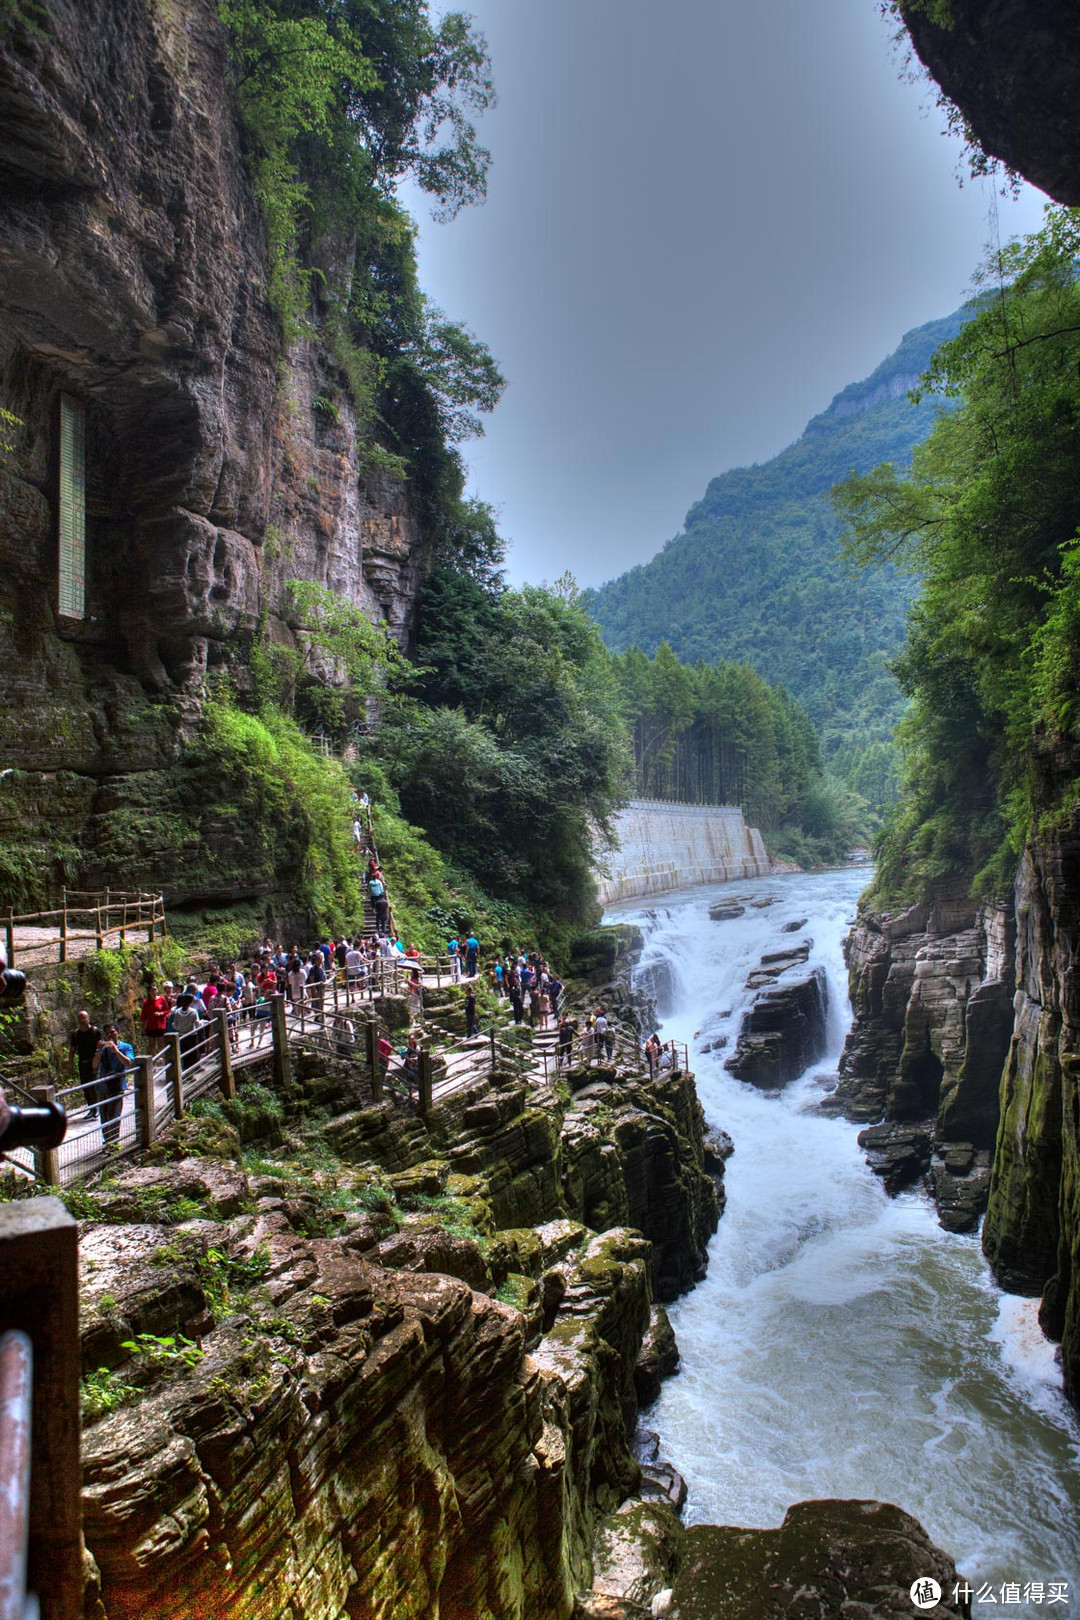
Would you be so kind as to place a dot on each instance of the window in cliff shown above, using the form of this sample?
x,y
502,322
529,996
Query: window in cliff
x,y
72,584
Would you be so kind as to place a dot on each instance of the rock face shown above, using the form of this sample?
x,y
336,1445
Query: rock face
x,y
931,989
1014,72
132,276
827,1559
783,1033
1032,1230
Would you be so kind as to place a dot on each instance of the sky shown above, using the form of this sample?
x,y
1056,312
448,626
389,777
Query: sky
x,y
703,220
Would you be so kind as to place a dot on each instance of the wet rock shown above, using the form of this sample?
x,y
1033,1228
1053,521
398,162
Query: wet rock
x,y
793,927
220,1190
896,1152
658,1358
656,981
782,1034
828,1559
726,912
635,1553
436,1250
718,1150
960,1184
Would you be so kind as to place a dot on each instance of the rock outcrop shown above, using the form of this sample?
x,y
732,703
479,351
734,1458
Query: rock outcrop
x,y
784,1031
132,276
1014,73
932,992
827,1559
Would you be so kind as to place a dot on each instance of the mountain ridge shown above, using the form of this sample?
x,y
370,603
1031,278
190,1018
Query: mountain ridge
x,y
753,576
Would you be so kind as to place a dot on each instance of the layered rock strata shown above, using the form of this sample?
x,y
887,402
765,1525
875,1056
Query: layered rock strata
x,y
932,994
132,276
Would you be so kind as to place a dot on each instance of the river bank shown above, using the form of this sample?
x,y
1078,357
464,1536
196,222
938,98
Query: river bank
x,y
842,1343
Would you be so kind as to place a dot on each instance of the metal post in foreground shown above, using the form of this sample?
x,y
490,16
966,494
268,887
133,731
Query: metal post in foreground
x,y
144,1100
39,1298
16,1401
47,1159
425,1084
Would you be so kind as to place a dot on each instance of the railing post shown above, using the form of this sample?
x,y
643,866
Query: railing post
x,y
492,1035
46,1159
228,1079
9,930
371,1036
39,1295
123,926
425,1083
282,1057
144,1100
63,926
176,1069
99,938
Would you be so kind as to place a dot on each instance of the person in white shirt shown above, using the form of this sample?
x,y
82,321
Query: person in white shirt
x,y
297,985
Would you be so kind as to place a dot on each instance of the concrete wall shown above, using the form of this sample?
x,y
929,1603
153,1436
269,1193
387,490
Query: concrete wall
x,y
671,846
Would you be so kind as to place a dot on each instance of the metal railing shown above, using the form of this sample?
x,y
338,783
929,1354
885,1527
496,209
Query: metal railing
x,y
83,916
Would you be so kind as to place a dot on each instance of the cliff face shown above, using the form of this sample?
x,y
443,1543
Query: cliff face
x,y
931,989
132,272
966,1046
1013,69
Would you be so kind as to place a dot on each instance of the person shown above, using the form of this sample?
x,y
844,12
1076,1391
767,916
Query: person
x,y
268,983
365,802
385,1053
344,1035
667,1058
472,948
341,951
111,1062
354,965
652,1052
605,1041
565,1047
453,951
186,1023
416,996
516,1001
588,1042
410,1063
297,979
357,834
83,1043
316,982
153,1017
545,1009
472,1026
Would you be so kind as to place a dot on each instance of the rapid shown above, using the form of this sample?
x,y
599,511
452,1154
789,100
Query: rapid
x,y
843,1344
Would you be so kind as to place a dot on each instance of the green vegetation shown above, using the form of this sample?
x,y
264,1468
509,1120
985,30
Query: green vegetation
x,y
164,1350
755,578
104,1391
989,516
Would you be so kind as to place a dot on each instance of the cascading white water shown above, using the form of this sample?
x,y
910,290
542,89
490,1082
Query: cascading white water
x,y
842,1344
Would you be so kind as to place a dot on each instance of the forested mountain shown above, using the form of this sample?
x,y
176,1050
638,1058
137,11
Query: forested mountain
x,y
754,577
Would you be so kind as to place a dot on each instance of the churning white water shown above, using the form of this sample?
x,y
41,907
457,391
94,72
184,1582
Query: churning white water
x,y
842,1344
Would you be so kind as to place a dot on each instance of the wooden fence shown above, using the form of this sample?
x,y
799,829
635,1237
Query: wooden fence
x,y
82,917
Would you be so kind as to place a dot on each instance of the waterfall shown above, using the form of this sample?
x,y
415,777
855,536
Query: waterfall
x,y
842,1343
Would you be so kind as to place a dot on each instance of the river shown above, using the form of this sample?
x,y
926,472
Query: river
x,y
842,1343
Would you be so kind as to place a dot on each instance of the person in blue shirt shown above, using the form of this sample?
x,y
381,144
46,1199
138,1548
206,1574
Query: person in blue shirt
x,y
114,1057
472,947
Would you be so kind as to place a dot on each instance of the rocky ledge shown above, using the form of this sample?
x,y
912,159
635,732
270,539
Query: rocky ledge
x,y
932,993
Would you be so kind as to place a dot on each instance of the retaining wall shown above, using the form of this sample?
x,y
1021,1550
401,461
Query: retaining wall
x,y
672,846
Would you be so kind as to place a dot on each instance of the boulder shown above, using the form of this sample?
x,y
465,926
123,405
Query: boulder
x,y
782,1034
726,912
827,1559
896,1152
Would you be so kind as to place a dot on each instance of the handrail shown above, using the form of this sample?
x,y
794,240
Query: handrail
x,y
108,912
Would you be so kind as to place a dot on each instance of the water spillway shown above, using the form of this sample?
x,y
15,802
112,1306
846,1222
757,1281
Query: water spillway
x,y
664,846
843,1344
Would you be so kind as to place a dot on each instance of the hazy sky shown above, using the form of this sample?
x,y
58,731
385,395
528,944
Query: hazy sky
x,y
703,220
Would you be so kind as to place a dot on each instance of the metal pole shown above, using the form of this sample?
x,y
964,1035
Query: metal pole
x,y
425,1083
63,926
9,930
16,1399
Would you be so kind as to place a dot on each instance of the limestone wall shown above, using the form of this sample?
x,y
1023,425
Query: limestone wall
x,y
672,846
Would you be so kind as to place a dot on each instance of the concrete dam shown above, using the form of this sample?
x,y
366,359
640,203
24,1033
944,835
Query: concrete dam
x,y
664,846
